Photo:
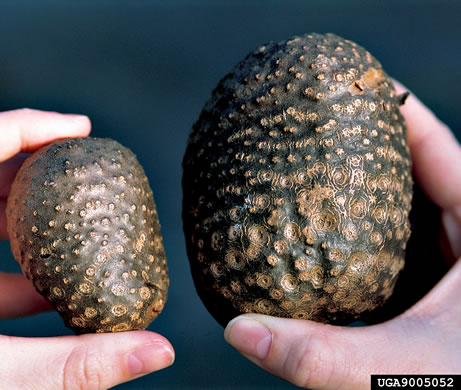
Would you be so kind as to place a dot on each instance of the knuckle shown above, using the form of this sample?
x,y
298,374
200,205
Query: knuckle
x,y
82,370
25,111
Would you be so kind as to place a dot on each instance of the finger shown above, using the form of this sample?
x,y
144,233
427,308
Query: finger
x,y
8,170
436,156
18,297
435,152
320,356
26,130
302,352
82,362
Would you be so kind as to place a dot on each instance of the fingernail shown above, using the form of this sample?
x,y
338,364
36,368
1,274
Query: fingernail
x,y
149,358
249,337
452,224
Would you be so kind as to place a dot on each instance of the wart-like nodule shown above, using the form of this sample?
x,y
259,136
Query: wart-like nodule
x,y
297,184
84,228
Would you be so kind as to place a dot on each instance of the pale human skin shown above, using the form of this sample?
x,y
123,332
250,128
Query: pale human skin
x,y
426,339
68,362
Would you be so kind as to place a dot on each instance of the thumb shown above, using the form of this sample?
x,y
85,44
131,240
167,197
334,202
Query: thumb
x,y
81,362
303,352
320,356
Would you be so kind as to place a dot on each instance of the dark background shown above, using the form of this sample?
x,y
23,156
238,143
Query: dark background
x,y
142,71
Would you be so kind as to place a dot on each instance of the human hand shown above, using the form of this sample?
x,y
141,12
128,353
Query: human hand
x,y
426,339
69,362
